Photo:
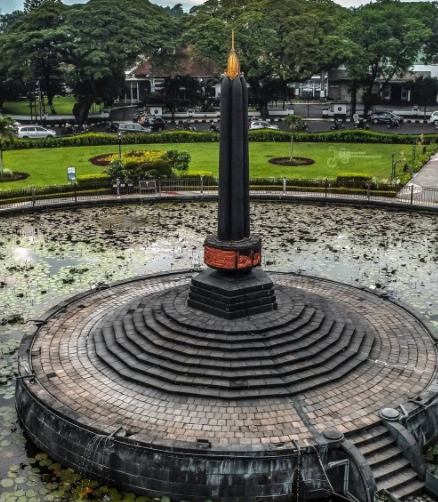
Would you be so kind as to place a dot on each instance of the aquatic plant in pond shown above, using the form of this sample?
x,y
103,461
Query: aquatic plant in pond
x,y
45,257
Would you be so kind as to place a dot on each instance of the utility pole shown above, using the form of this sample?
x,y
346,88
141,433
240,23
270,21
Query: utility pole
x,y
41,102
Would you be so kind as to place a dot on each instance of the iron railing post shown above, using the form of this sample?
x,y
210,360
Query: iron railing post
x,y
368,190
412,194
202,184
33,196
326,188
284,185
75,188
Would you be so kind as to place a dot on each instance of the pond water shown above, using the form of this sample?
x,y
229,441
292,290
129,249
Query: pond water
x,y
45,257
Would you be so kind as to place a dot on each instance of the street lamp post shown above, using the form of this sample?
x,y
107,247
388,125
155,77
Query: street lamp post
x,y
119,140
395,162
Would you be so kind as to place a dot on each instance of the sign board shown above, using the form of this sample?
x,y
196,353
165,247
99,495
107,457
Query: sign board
x,y
71,173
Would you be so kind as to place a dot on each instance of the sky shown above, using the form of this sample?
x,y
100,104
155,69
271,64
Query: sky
x,y
7,6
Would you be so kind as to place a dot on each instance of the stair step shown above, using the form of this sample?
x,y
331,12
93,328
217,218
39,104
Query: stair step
x,y
371,448
397,480
382,457
370,435
409,489
392,467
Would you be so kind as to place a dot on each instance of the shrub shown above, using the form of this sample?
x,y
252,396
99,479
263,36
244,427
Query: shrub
x,y
178,160
353,180
7,173
85,179
160,169
131,165
116,170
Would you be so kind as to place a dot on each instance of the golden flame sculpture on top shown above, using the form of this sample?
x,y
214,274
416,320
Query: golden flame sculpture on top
x,y
233,66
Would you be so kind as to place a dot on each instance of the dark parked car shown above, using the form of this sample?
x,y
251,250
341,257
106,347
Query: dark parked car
x,y
385,117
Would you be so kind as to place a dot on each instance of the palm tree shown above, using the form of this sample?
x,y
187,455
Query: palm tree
x,y
295,123
6,137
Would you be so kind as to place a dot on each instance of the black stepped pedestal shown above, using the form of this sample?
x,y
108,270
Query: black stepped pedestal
x,y
232,295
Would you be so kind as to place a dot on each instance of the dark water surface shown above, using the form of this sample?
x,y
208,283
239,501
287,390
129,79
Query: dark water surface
x,y
45,257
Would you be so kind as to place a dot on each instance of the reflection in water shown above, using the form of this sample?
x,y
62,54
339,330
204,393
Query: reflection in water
x,y
49,256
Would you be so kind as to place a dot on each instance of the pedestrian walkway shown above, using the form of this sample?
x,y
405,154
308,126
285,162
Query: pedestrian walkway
x,y
427,177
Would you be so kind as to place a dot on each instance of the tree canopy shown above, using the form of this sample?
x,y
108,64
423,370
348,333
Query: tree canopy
x,y
87,48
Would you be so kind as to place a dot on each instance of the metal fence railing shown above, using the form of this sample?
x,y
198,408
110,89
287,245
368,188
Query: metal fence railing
x,y
411,194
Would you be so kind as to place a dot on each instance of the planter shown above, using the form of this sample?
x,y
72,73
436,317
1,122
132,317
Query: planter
x,y
296,161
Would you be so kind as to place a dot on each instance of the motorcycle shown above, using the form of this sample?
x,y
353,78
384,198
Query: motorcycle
x,y
337,126
68,130
305,127
213,128
85,128
393,123
112,128
361,124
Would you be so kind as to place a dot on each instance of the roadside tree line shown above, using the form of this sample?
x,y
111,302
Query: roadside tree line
x,y
87,48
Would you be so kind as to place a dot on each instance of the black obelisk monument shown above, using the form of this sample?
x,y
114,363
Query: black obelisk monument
x,y
235,286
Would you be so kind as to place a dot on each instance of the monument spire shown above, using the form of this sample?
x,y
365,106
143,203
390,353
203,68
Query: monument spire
x,y
233,66
234,286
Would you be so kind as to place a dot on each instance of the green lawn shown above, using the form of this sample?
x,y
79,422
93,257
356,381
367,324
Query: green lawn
x,y
63,106
49,166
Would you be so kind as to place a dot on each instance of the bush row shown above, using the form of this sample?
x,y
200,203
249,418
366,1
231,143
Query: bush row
x,y
261,188
347,180
345,136
43,196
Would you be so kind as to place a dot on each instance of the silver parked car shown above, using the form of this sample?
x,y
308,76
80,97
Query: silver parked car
x,y
34,132
261,124
133,128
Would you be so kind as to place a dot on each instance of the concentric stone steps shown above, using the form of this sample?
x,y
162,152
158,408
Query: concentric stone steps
x,y
159,342
123,349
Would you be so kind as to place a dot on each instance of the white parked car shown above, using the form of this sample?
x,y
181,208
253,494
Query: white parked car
x,y
434,118
261,124
35,132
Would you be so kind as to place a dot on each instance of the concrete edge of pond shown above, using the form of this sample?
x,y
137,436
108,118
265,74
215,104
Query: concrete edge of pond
x,y
312,199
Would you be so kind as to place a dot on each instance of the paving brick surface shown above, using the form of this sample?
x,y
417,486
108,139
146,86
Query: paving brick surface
x,y
135,355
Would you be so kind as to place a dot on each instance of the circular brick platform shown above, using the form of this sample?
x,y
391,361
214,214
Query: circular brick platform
x,y
134,361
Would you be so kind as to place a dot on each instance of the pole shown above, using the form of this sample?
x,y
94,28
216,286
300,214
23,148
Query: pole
x,y
1,158
41,103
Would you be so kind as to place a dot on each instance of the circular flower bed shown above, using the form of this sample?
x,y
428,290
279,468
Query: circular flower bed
x,y
15,176
297,161
140,156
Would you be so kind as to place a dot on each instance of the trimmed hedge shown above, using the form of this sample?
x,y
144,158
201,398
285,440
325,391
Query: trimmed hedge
x,y
27,198
345,136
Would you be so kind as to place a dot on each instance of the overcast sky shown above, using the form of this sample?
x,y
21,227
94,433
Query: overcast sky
x,y
11,5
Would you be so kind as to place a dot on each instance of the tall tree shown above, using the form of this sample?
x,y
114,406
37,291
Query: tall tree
x,y
281,42
106,38
388,39
30,5
179,89
33,47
